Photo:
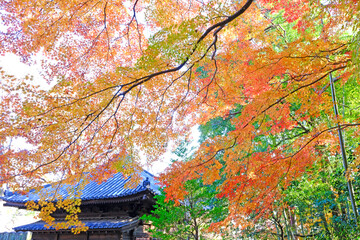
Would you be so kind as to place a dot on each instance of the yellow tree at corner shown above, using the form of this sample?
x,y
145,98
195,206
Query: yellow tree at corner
x,y
130,76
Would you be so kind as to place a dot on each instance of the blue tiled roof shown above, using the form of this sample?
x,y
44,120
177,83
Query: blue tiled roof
x,y
111,188
92,224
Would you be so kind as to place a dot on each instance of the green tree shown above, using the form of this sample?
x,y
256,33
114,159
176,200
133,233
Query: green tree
x,y
189,218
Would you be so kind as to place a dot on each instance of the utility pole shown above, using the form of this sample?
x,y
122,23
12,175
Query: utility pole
x,y
342,147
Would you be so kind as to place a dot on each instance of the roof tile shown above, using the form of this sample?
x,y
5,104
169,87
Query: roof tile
x,y
111,188
92,224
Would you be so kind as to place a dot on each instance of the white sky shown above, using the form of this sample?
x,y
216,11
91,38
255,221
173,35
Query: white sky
x,y
11,64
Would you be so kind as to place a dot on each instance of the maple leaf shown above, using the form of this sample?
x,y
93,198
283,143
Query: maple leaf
x,y
125,87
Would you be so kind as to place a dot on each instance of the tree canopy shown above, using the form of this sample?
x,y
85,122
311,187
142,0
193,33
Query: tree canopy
x,y
128,77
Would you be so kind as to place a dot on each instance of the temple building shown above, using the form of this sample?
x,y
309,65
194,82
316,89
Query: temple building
x,y
109,210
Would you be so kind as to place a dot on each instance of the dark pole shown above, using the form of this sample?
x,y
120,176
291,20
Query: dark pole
x,y
342,147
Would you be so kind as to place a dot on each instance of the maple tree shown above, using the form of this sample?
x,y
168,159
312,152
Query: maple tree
x,y
130,76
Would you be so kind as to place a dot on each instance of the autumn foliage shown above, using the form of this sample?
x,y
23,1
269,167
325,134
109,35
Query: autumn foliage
x,y
128,77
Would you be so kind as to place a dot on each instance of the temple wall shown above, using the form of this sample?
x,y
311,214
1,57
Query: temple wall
x,y
92,236
108,236
37,236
